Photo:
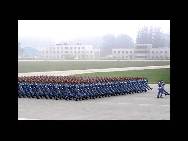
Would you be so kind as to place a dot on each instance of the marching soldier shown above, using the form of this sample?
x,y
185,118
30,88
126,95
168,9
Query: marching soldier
x,y
165,92
160,89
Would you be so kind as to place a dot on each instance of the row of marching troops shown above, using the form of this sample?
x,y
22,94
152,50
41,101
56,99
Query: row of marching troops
x,y
79,88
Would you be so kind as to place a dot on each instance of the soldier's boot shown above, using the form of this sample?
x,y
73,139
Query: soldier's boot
x,y
38,97
76,99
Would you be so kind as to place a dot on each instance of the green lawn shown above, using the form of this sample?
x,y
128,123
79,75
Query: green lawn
x,y
40,66
153,75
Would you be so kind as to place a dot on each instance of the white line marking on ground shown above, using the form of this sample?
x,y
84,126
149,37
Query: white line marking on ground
x,y
26,119
72,72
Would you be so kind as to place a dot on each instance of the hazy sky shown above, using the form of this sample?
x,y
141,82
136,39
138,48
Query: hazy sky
x,y
58,30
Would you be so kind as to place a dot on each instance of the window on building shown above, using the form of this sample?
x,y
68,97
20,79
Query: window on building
x,y
126,51
61,56
141,51
78,51
130,51
66,47
82,47
70,47
118,51
46,51
74,51
53,51
66,52
161,51
165,51
115,52
122,52
156,51
57,51
91,52
78,47
152,51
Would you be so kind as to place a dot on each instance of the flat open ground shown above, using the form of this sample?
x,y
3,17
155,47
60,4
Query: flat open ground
x,y
144,106
65,65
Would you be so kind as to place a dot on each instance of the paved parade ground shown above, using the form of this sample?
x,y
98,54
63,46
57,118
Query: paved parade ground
x,y
144,106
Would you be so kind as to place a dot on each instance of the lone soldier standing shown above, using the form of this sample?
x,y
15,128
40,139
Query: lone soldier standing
x,y
160,88
165,92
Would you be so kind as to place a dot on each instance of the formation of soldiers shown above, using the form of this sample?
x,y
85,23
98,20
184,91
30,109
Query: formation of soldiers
x,y
79,88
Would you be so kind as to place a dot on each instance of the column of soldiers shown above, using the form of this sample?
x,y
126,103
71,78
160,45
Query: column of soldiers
x,y
79,88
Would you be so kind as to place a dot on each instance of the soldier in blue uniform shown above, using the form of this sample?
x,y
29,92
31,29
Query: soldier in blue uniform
x,y
79,88
160,89
164,92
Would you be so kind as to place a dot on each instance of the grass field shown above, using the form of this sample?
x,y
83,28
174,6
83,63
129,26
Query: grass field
x,y
153,75
40,66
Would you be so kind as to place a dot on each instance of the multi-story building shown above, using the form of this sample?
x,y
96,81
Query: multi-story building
x,y
127,53
70,51
142,52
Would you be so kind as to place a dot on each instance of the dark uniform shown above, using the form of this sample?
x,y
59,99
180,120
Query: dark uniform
x,y
160,89
164,92
79,88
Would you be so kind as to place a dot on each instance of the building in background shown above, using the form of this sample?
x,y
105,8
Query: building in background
x,y
142,52
70,51
20,51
